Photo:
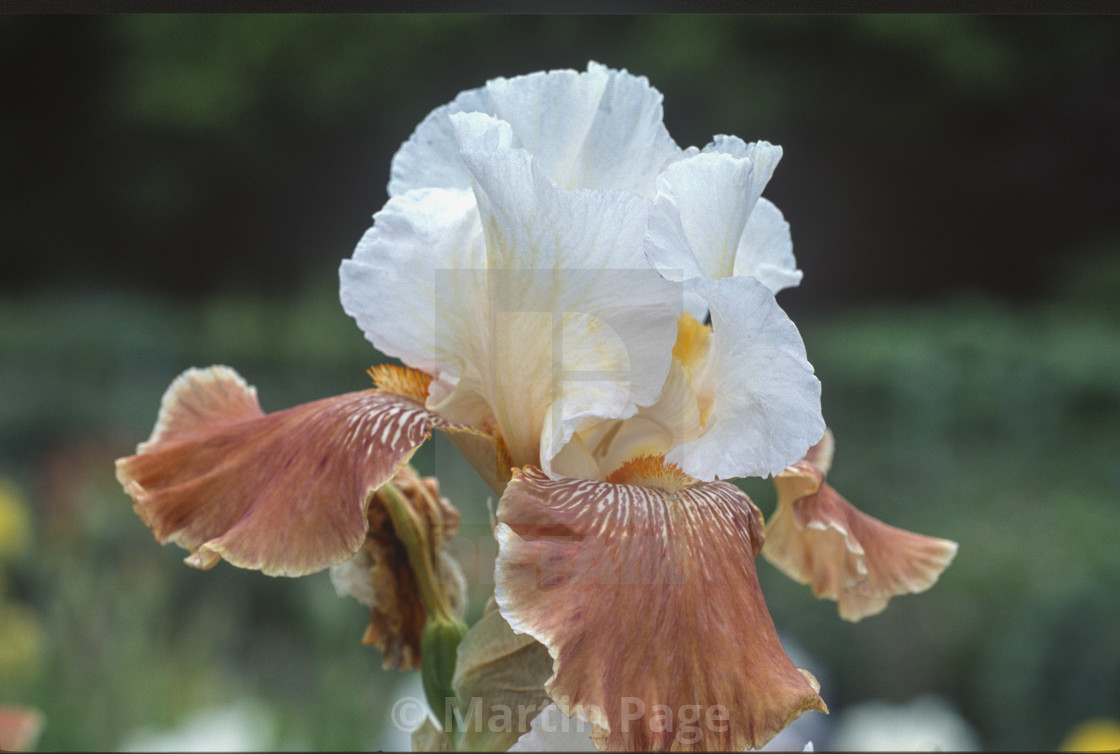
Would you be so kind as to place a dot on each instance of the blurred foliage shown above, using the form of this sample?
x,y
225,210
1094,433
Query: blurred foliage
x,y
196,153
179,190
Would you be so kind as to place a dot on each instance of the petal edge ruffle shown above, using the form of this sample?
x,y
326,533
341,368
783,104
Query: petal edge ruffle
x,y
574,555
817,537
284,493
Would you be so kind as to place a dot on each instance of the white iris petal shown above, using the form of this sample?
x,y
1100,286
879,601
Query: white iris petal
x,y
531,259
766,250
580,328
709,219
600,129
396,285
766,410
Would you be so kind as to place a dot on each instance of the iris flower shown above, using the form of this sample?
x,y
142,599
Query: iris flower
x,y
589,312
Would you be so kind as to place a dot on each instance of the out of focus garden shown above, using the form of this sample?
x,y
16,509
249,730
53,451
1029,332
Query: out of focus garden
x,y
179,191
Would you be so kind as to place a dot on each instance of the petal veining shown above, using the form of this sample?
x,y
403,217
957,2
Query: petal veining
x,y
574,555
284,493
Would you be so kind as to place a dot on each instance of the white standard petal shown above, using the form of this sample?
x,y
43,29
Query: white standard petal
x,y
709,219
766,402
627,145
405,286
598,129
579,327
766,249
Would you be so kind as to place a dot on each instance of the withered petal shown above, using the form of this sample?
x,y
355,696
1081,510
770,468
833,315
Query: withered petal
x,y
284,493
649,604
817,537
381,576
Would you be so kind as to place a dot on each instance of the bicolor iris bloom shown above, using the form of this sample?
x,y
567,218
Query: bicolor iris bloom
x,y
589,312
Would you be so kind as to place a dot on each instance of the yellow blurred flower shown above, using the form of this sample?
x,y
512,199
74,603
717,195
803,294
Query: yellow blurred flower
x,y
15,522
21,642
1097,734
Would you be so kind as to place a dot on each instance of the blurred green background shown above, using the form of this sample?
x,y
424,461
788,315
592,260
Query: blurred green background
x,y
179,191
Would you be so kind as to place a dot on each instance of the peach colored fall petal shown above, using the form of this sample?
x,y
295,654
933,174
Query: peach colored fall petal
x,y
820,455
674,561
284,493
817,537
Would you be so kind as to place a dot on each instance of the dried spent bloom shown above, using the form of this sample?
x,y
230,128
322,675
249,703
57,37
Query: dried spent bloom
x,y
381,577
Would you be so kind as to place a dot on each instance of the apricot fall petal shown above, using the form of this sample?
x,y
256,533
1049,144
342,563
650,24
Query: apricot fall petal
x,y
817,537
576,557
283,493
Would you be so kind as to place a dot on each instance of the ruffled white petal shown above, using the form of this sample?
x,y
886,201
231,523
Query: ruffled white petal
x,y
766,409
410,284
599,129
709,220
627,145
766,249
579,327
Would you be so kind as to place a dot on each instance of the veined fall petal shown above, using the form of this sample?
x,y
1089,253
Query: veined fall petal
x,y
285,493
601,129
574,555
817,537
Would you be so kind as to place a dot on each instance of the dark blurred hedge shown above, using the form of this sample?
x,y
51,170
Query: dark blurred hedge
x,y
243,153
